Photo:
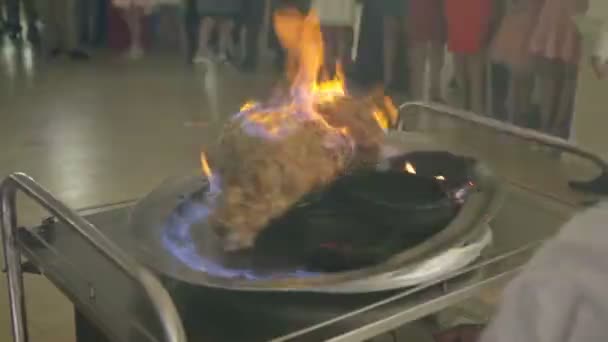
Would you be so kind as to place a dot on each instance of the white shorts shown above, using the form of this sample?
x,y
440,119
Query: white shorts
x,y
335,12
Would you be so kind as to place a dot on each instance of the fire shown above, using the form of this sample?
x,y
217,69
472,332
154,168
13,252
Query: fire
x,y
205,166
382,120
290,146
248,105
390,111
409,168
328,91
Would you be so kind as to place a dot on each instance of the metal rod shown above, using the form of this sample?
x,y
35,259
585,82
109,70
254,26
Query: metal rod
x,y
523,133
156,293
12,258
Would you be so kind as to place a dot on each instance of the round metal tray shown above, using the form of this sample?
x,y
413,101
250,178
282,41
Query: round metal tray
x,y
161,223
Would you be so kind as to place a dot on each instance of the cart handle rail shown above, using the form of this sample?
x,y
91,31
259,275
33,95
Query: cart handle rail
x,y
19,182
501,127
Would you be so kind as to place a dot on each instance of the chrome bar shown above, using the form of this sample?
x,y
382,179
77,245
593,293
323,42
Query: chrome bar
x,y
12,259
158,295
504,128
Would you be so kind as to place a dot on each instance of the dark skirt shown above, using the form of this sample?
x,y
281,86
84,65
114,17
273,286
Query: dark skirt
x,y
370,53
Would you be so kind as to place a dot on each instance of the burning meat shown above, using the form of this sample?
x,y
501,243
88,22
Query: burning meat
x,y
270,156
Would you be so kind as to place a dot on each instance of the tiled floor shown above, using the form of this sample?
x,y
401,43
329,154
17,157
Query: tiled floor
x,y
99,132
108,130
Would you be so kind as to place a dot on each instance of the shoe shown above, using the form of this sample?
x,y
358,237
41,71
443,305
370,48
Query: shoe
x,y
202,58
599,185
78,55
55,52
135,53
33,36
15,36
224,58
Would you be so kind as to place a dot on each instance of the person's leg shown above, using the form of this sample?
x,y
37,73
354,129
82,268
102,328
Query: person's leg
x,y
330,50
13,16
389,48
476,74
204,37
133,16
565,103
461,79
2,20
343,41
226,41
51,17
436,58
512,97
254,19
519,97
31,16
70,33
417,57
548,88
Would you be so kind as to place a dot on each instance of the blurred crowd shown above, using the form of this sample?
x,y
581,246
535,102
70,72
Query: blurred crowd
x,y
515,59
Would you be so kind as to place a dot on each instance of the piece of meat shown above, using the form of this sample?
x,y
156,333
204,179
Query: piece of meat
x,y
268,159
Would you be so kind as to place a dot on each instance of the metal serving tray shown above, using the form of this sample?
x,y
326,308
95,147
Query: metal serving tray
x,y
81,253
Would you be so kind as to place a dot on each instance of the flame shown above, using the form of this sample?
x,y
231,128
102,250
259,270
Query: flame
x,y
301,36
248,105
390,110
409,168
330,90
381,119
205,166
440,178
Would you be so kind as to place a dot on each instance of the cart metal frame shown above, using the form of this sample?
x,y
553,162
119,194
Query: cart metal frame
x,y
166,324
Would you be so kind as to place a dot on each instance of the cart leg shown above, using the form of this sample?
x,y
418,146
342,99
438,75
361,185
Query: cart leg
x,y
12,259
86,331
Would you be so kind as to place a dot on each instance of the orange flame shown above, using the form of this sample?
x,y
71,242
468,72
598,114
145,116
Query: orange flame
x,y
390,110
205,166
409,168
302,38
381,119
248,105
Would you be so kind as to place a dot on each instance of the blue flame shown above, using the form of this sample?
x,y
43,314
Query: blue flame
x,y
177,239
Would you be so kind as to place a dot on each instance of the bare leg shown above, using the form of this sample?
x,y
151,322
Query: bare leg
x,y
226,43
417,57
205,30
436,56
460,74
390,48
476,75
133,16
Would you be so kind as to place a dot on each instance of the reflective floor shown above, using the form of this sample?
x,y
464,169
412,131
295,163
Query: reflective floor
x,y
103,131
108,130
